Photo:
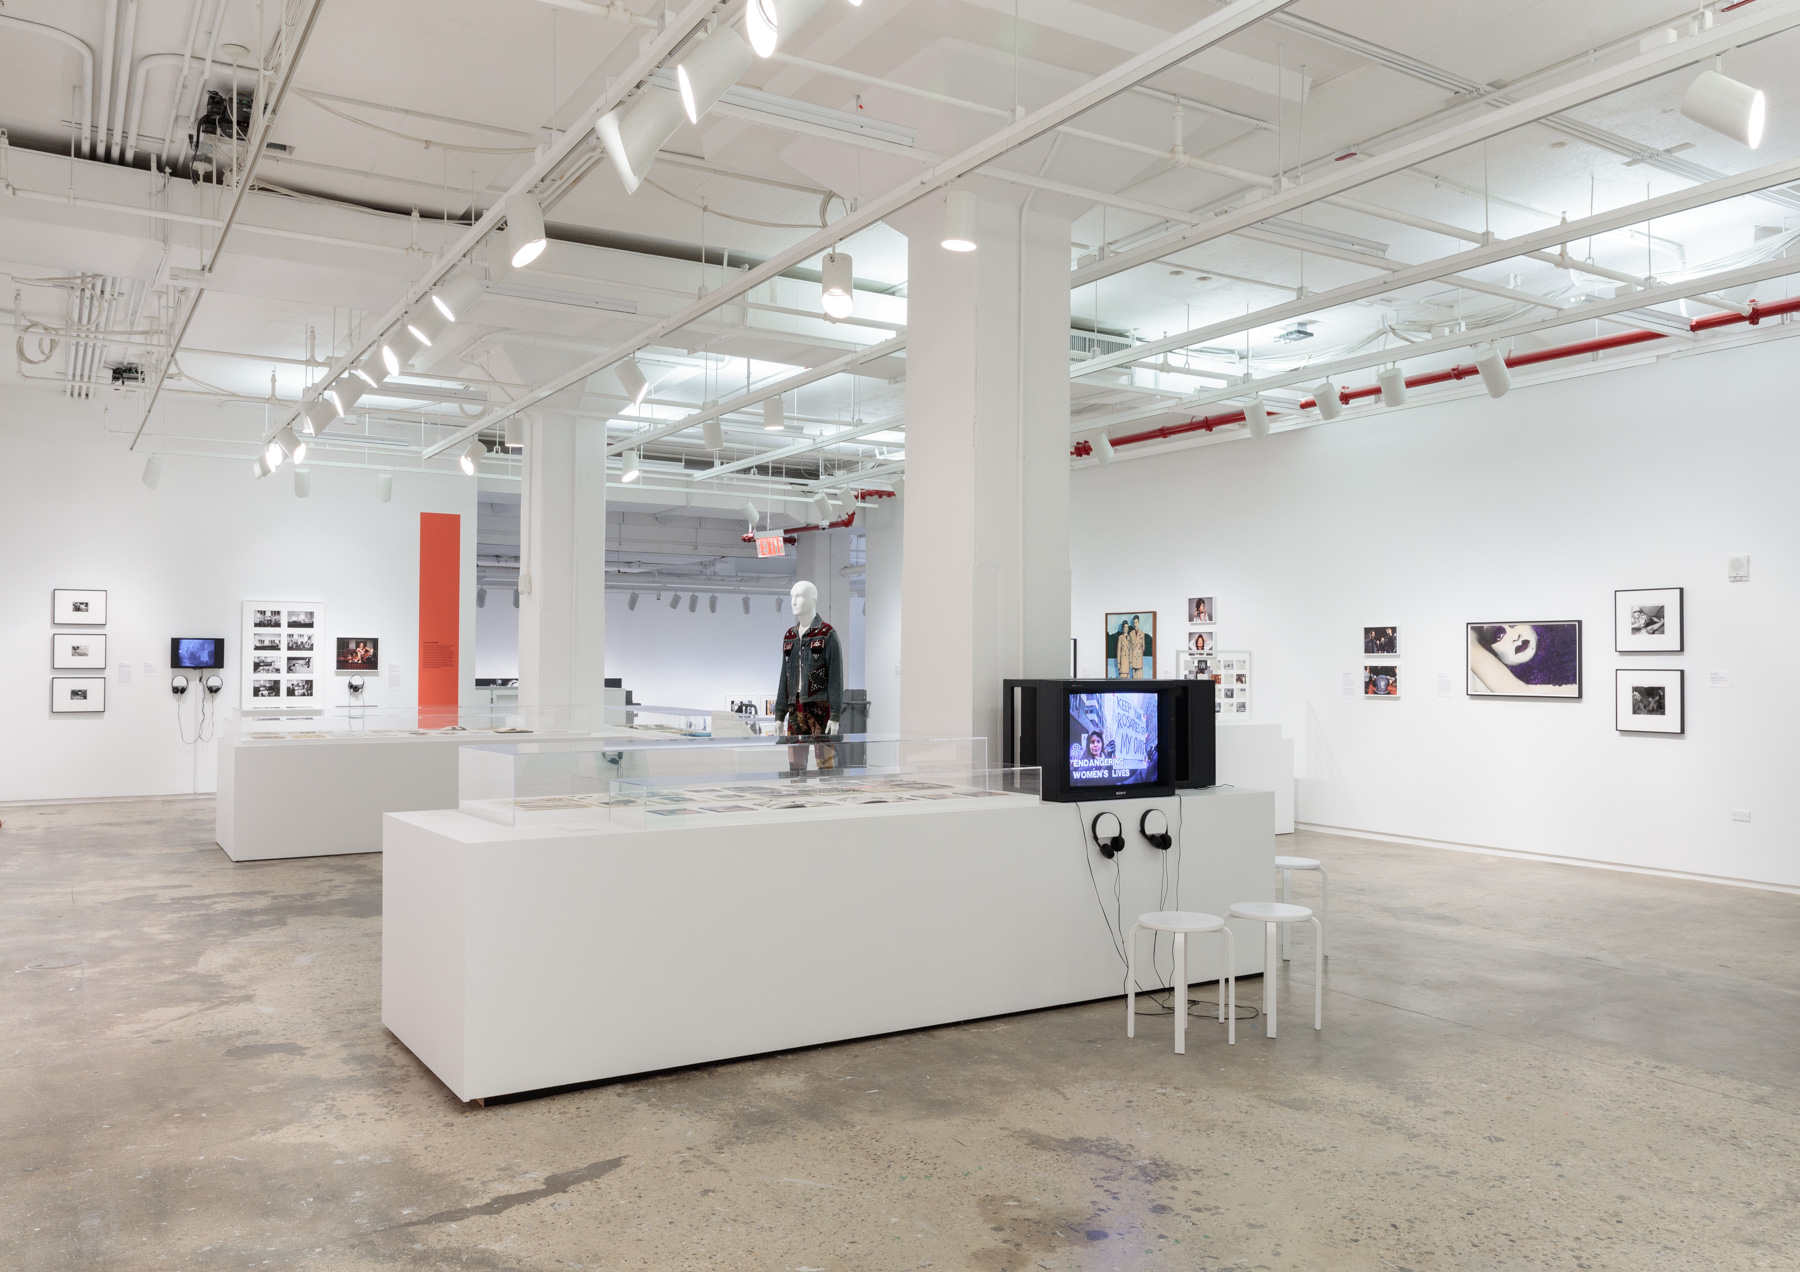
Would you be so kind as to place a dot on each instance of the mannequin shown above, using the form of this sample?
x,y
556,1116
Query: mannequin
x,y
810,699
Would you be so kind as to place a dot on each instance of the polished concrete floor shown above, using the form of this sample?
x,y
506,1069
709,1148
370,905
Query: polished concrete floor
x,y
1523,1066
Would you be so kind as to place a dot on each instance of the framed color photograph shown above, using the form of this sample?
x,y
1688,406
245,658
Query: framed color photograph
x,y
1525,660
1202,642
358,653
1650,700
1201,610
1381,640
1131,645
1648,621
1381,680
74,606
78,651
77,695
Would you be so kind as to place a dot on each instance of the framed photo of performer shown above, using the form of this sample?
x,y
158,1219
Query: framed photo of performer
x,y
1131,645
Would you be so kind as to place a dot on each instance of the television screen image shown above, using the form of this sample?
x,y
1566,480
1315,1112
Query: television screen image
x,y
205,652
1112,739
358,653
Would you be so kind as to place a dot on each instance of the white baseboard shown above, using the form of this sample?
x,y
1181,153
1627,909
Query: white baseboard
x,y
102,799
1550,858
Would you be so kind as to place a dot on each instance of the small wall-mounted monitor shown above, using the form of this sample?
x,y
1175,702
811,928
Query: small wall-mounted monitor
x,y
205,652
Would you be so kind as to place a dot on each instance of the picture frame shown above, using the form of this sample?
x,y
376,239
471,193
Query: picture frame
x,y
1131,633
285,646
1381,642
78,651
78,607
1202,641
1202,610
1381,680
77,695
1649,620
1650,700
1524,659
359,653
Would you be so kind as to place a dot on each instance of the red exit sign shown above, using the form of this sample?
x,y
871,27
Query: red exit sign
x,y
768,545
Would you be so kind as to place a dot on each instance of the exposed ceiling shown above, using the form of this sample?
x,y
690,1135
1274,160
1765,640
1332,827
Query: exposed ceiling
x,y
398,127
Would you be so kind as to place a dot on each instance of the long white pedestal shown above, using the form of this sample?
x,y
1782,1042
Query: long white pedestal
x,y
518,959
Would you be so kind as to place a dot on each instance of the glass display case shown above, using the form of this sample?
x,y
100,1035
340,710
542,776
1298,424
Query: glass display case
x,y
637,784
355,723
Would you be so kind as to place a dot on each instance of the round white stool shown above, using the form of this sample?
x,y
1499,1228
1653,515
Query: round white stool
x,y
1274,914
1287,865
1183,923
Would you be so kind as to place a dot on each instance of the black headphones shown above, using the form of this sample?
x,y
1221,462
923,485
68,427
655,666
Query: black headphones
x,y
1114,844
1158,838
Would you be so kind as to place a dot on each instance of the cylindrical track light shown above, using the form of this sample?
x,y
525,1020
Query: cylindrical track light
x,y
153,471
750,513
515,598
345,393
315,419
713,66
1103,448
962,220
837,289
292,444
426,323
631,601
398,350
471,458
1493,370
631,379
633,133
513,430
384,487
768,22
1325,396
712,434
693,602
525,238
822,502
746,604
712,604
273,455
630,472
372,369
1726,106
773,420
1393,386
302,482
1256,415
481,598
456,297
260,467
675,601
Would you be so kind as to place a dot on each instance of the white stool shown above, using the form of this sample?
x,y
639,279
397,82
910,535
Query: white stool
x,y
1182,923
1287,865
1274,914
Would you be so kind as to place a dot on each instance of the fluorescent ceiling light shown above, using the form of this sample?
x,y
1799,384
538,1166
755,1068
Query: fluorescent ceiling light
x,y
962,220
837,289
633,133
1726,106
715,64
525,238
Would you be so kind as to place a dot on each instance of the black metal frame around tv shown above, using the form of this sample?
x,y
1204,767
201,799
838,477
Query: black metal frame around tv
x,y
1035,732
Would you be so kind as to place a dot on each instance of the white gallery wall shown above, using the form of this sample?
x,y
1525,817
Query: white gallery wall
x,y
1533,507
179,561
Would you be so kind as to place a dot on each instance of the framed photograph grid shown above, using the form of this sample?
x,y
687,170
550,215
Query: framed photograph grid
x,y
284,648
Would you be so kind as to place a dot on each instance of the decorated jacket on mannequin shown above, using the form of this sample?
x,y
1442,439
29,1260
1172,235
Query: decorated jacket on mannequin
x,y
812,669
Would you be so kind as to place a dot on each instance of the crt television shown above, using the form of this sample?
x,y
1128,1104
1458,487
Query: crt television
x,y
204,652
1111,739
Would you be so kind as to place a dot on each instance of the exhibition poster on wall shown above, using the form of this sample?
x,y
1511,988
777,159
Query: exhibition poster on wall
x,y
1131,645
1525,659
284,653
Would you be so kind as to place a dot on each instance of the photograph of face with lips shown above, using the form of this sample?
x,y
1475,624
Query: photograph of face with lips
x,y
1525,660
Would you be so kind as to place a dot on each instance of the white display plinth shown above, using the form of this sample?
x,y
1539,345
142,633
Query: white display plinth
x,y
523,958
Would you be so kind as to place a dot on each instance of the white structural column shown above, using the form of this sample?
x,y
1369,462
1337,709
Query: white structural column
x,y
562,565
824,555
882,525
986,575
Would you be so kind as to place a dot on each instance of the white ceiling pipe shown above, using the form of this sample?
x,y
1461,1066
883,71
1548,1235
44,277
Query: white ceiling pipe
x,y
127,50
87,69
617,12
206,65
139,74
108,38
187,66
1209,31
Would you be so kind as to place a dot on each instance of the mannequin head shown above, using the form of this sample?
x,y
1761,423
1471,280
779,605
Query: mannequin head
x,y
805,600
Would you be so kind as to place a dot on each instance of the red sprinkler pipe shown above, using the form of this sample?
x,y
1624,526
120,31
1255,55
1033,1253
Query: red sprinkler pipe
x,y
1579,348
842,523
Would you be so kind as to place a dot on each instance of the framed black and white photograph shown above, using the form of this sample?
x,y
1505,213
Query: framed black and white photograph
x,y
1381,640
78,651
77,695
1648,620
299,689
299,666
1525,659
265,641
1651,700
72,607
266,665
301,618
266,618
301,642
265,688
277,633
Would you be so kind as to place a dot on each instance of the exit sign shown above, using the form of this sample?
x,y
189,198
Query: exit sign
x,y
768,545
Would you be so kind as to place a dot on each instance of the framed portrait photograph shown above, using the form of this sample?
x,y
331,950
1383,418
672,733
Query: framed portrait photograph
x,y
1200,610
1202,642
1650,700
1648,620
77,695
1525,659
358,653
72,607
1131,645
1381,640
78,651
1381,680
